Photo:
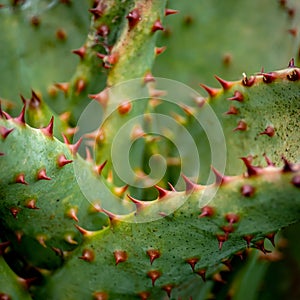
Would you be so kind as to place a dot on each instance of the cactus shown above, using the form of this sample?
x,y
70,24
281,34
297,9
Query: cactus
x,y
89,209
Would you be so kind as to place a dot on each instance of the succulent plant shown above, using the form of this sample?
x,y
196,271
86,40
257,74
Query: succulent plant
x,y
117,184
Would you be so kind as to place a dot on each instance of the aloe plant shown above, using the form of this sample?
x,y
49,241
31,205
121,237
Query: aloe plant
x,y
118,184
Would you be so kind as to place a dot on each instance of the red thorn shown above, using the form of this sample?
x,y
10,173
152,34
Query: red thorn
x,y
72,213
101,97
80,85
19,235
139,204
240,254
211,91
27,282
288,166
83,231
169,11
160,50
271,237
21,179
218,278
103,30
124,107
221,239
101,55
268,161
232,110
113,217
154,275
225,84
247,190
87,255
144,295
294,75
4,132
237,96
6,115
192,262
296,181
168,288
291,63
120,256
14,211
73,147
157,26
242,126
24,101
42,240
80,52
63,86
248,239
42,175
61,34
1,154
88,155
207,211
3,247
202,274
21,118
1,111
58,251
251,170
269,131
69,238
161,192
119,191
153,254
100,296
232,218
227,263
148,77
100,168
62,160
227,229
269,77
220,179
48,130
293,31
260,246
189,185
133,18
35,101
171,187
31,204
248,81
98,10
